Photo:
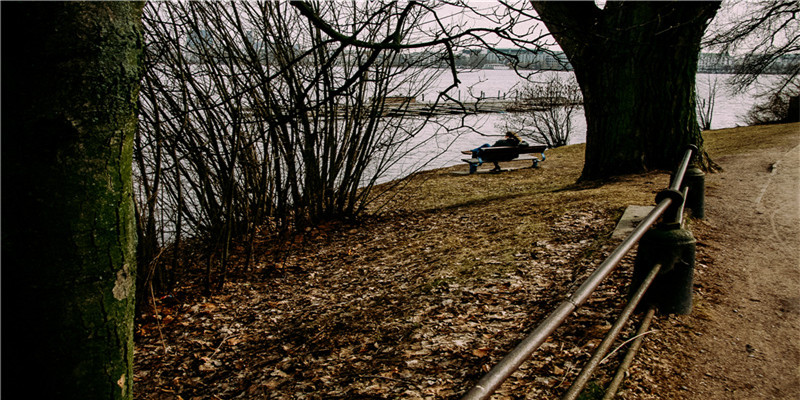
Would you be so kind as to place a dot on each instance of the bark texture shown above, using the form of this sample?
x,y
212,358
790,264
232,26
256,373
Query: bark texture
x,y
70,75
636,64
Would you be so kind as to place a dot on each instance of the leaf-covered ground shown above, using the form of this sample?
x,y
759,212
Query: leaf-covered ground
x,y
349,319
418,302
421,299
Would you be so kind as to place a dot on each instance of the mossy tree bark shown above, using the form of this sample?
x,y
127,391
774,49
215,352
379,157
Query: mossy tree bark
x,y
636,64
71,74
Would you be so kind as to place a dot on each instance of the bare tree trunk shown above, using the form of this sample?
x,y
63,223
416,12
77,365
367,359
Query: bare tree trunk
x,y
71,75
636,64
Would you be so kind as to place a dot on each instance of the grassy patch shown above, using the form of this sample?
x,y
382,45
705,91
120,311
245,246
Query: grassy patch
x,y
484,224
729,142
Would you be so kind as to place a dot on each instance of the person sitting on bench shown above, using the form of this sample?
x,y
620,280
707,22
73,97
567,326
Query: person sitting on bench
x,y
511,139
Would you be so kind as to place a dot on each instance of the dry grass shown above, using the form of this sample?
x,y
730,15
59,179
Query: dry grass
x,y
494,216
729,142
502,213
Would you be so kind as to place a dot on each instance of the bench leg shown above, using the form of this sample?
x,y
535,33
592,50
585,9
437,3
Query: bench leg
x,y
473,167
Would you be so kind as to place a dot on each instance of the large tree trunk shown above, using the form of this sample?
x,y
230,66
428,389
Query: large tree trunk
x,y
70,76
636,64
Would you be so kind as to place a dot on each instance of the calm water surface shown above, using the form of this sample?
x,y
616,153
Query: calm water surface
x,y
440,144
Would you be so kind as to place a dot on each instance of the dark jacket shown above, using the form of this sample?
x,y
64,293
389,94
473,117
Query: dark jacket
x,y
506,142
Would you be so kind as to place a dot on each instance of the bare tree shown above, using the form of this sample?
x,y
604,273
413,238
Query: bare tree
x,y
630,58
705,104
767,35
543,111
763,31
252,118
70,78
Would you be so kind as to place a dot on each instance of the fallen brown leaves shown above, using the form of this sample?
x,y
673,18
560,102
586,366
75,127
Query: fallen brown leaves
x,y
385,310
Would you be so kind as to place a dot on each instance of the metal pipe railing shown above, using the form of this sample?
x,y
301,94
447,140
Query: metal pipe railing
x,y
612,388
583,378
681,171
679,217
489,383
497,375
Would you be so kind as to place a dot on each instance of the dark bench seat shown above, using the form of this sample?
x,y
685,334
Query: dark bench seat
x,y
498,154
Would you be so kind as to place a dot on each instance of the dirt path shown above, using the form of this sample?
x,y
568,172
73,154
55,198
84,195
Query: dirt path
x,y
742,340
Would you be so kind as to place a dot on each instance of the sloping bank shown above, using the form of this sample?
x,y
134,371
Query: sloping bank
x,y
421,299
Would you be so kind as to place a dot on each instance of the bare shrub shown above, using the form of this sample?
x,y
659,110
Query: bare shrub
x,y
542,112
253,121
705,104
774,108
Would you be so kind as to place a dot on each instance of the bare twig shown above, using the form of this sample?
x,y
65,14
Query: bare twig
x,y
611,353
158,320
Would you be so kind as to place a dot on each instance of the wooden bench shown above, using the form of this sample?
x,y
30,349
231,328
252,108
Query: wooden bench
x,y
504,153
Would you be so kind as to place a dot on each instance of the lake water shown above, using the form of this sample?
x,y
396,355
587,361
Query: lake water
x,y
444,141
